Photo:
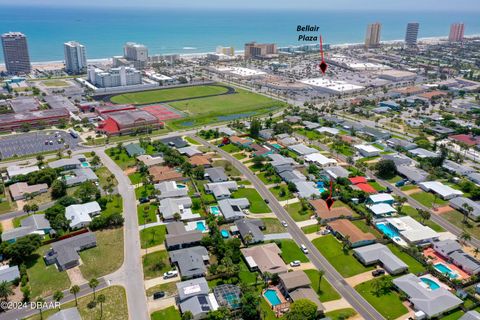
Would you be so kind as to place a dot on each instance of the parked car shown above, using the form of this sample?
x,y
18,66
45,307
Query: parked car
x,y
267,201
144,200
295,263
378,272
304,249
284,223
158,295
170,274
325,232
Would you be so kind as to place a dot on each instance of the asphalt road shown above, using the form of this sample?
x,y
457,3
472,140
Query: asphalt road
x,y
336,280
132,268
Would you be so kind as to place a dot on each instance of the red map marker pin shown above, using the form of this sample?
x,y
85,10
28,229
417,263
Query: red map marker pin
x,y
323,66
330,200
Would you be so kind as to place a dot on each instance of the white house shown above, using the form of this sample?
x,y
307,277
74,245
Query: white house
x,y
320,160
444,191
367,150
80,215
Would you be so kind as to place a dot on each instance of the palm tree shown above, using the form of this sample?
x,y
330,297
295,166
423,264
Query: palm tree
x,y
467,211
75,290
424,214
57,296
465,236
401,201
93,283
101,299
320,276
34,208
475,252
40,302
5,290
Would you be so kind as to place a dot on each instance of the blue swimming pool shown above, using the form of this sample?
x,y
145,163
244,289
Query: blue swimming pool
x,y
390,232
445,270
276,146
214,210
181,186
201,226
224,234
272,297
430,283
85,164
321,186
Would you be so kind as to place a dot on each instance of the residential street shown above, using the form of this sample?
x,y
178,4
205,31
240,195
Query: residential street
x,y
335,279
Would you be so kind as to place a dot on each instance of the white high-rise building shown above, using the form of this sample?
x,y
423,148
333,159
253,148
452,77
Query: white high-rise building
x,y
115,77
75,57
135,52
412,33
372,38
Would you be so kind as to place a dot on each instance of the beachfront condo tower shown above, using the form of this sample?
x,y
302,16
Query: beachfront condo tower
x,y
412,33
456,32
15,53
75,57
372,38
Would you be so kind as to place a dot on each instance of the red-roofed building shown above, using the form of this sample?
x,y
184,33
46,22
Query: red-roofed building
x,y
125,122
433,94
362,184
467,139
357,180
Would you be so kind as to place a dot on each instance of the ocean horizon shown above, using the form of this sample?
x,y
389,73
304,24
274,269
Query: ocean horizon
x,y
166,31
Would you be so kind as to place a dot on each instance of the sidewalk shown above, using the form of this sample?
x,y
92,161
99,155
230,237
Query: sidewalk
x,y
336,304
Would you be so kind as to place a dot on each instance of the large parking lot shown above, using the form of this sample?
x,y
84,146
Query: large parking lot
x,y
36,142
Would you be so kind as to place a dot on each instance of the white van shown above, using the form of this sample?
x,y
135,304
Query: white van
x,y
304,249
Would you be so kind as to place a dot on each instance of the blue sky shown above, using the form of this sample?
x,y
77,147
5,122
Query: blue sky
x,y
405,5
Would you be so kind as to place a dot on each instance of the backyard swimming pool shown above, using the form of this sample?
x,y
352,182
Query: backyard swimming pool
x,y
201,226
181,186
321,186
276,146
214,210
445,270
224,234
85,164
390,232
272,297
430,283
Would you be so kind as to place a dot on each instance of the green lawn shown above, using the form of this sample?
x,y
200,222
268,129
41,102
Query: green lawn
x,y
122,159
411,211
257,204
326,292
427,199
147,213
310,134
114,307
413,265
377,186
456,218
169,313
106,257
268,179
191,141
310,229
230,170
230,148
155,264
170,289
239,156
152,236
135,178
341,314
290,251
344,149
409,187
273,225
103,175
245,275
388,304
152,96
296,212
276,192
144,191
395,179
6,206
44,280
207,110
345,263
454,315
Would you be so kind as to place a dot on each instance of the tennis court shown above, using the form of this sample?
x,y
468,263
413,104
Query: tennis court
x,y
163,112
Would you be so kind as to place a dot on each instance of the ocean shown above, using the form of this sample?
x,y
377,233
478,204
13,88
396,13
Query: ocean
x,y
104,31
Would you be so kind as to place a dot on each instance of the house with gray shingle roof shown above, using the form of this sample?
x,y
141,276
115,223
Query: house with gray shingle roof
x,y
8,273
191,261
170,189
232,209
459,202
64,253
252,228
134,149
66,314
216,174
380,254
193,296
432,303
